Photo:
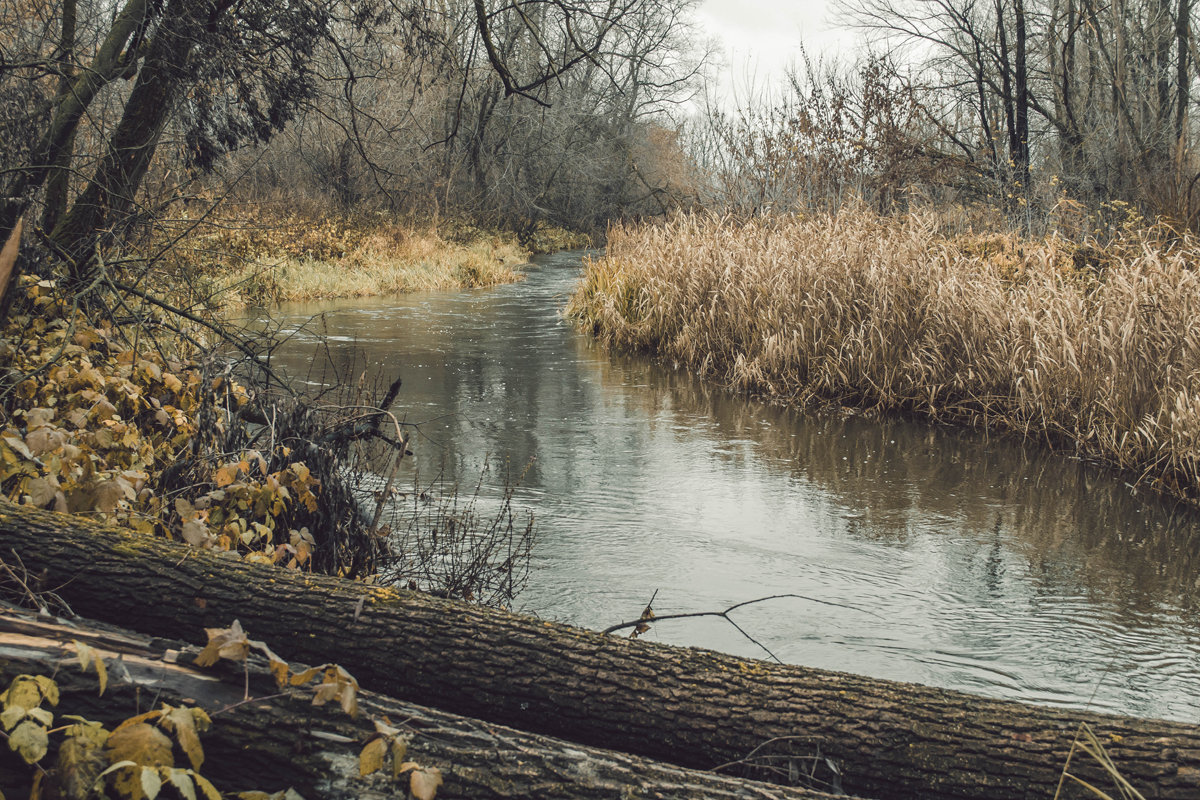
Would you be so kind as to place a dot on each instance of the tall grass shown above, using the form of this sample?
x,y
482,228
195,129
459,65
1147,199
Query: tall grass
x,y
1093,349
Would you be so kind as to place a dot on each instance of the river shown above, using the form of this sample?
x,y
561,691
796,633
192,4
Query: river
x,y
940,555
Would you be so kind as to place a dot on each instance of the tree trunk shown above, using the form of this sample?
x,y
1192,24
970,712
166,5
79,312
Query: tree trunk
x,y
111,191
1183,81
58,182
1021,99
688,706
280,741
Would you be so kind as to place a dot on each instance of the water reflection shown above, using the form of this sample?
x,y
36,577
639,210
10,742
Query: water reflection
x,y
977,563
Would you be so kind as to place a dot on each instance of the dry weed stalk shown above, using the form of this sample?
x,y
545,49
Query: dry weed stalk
x,y
1095,349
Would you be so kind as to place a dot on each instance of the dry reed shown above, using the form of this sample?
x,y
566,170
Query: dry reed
x,y
1094,350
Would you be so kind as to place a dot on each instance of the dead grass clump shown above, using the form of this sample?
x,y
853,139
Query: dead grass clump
x,y
299,255
1095,350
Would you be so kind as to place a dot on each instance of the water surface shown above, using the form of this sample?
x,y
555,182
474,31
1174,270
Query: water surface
x,y
958,559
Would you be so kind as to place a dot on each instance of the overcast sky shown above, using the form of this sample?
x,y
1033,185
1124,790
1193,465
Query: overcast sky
x,y
761,37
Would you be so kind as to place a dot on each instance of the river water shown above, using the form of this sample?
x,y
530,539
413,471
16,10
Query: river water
x,y
955,559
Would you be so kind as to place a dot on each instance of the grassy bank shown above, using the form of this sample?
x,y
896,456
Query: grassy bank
x,y
1095,350
305,255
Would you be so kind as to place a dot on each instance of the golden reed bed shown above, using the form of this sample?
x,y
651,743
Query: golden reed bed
x,y
1096,350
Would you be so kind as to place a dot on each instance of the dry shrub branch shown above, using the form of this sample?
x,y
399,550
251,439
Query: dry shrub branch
x,y
1094,349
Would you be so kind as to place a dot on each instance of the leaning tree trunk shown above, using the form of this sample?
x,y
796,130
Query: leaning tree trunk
x,y
691,707
111,191
282,741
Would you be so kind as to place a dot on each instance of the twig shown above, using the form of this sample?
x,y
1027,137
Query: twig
x,y
33,597
397,457
725,616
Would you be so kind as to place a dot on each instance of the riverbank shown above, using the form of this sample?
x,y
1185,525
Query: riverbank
x,y
1094,350
262,255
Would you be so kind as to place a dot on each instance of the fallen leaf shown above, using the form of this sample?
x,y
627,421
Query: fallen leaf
x,y
424,783
231,643
195,533
225,475
41,491
38,417
370,760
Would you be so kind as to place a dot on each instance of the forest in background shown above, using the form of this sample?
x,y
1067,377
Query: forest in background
x,y
137,126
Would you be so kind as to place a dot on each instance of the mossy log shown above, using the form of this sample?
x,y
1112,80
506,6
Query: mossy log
x,y
281,741
689,707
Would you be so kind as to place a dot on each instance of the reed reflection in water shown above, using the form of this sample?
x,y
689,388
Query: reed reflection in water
x,y
976,563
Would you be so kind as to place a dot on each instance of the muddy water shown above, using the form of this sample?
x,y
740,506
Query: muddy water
x,y
954,559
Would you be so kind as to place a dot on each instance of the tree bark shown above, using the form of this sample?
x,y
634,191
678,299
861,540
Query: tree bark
x,y
281,741
691,707
58,182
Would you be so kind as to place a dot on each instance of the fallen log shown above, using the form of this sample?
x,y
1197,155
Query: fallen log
x,y
280,741
690,707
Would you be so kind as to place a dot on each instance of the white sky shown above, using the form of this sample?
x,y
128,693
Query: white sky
x,y
762,37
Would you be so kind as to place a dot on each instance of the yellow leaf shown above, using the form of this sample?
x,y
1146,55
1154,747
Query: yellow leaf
x,y
399,751
147,716
89,657
279,669
225,475
42,716
101,673
83,652
384,726
230,643
142,744
210,791
29,741
302,678
370,760
183,723
12,715
28,691
325,692
80,760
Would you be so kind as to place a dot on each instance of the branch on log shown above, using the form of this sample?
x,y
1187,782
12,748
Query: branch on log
x,y
278,741
691,707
